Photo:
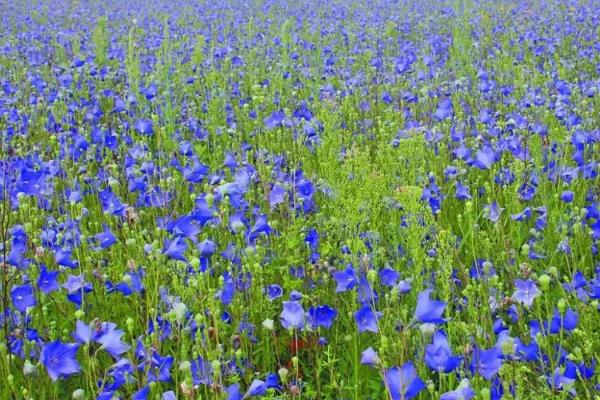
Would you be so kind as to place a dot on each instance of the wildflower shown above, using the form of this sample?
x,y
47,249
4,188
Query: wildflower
x,y
366,319
429,310
60,359
403,383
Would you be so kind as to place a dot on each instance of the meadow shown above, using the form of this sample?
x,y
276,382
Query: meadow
x,y
276,199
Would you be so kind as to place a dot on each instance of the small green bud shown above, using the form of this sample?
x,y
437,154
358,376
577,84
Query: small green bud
x,y
562,306
29,369
268,324
185,366
427,331
283,374
544,281
78,394
372,276
216,366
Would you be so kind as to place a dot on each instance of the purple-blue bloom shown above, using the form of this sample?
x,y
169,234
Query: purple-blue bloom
x,y
429,310
403,383
60,359
366,319
438,354
23,297
292,315
322,316
526,292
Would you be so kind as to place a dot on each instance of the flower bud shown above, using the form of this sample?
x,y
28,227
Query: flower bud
x,y
372,276
29,369
562,306
185,366
427,331
283,374
216,366
544,281
78,394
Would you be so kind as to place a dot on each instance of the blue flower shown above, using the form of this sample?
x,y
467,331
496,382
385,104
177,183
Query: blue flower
x,y
170,395
444,110
60,359
462,392
276,195
322,316
144,127
388,276
274,292
438,354
429,310
111,342
48,280
256,388
175,248
207,248
292,315
369,357
366,319
526,292
201,372
564,378
22,297
83,332
487,363
104,239
485,158
568,321
141,394
403,383
493,212
567,196
345,279
233,392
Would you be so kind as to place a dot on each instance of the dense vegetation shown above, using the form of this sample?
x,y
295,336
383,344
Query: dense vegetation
x,y
299,199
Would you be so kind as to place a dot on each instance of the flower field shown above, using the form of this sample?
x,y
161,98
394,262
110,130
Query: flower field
x,y
274,199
